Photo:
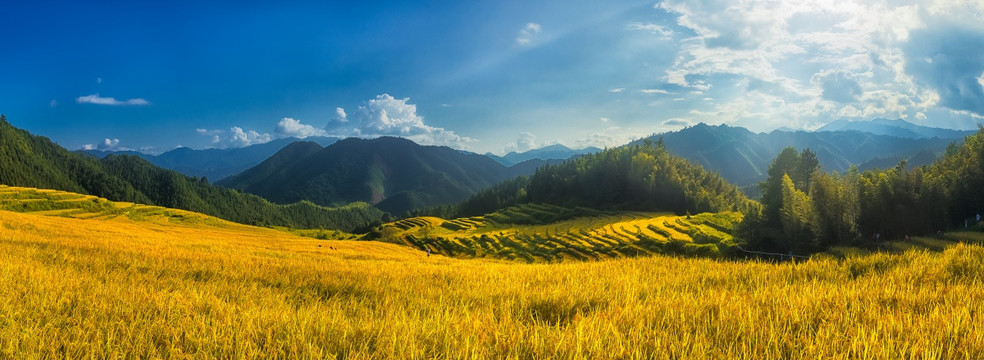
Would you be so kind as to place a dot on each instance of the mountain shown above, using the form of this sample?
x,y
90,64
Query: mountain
x,y
34,161
216,164
743,157
551,152
897,128
395,174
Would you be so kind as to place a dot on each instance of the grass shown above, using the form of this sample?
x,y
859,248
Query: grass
x,y
153,287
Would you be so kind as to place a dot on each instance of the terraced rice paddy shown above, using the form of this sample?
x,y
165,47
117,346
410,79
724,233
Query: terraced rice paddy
x,y
544,233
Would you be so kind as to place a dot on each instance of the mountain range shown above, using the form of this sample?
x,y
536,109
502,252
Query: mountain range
x,y
394,174
546,153
397,175
897,128
216,164
743,157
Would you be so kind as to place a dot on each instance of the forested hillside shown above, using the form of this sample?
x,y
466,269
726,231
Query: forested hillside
x,y
35,161
642,177
808,208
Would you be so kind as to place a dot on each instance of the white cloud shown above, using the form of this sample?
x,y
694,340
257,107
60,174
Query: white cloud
x,y
605,120
616,90
340,115
235,137
654,91
290,127
106,145
240,138
389,116
98,100
528,33
657,29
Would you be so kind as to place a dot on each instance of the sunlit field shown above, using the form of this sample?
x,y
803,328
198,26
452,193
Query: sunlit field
x,y
174,284
546,233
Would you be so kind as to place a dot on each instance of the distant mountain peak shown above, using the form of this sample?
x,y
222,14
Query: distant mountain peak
x,y
549,152
897,128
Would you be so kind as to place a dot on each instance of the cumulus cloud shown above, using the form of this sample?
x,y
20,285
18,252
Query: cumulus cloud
x,y
386,115
654,91
240,138
106,145
810,59
235,137
98,100
290,127
527,34
340,115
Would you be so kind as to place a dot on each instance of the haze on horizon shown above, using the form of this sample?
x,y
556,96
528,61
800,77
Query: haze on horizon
x,y
488,76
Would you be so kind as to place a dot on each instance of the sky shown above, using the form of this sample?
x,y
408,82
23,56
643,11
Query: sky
x,y
482,76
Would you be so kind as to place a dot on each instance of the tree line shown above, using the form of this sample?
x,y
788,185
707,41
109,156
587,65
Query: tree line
x,y
805,209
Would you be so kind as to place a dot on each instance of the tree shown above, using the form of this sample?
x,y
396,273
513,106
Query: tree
x,y
796,216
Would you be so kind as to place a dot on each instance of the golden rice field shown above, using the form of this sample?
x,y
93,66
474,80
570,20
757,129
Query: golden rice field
x,y
158,286
596,236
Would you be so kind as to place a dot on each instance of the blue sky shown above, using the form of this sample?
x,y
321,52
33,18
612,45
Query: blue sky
x,y
480,75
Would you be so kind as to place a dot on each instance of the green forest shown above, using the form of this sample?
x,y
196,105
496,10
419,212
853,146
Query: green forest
x,y
805,209
35,161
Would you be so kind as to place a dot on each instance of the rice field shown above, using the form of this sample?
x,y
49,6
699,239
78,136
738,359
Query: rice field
x,y
544,233
162,286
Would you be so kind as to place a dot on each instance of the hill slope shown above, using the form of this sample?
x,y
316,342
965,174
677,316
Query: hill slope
x,y
34,161
394,174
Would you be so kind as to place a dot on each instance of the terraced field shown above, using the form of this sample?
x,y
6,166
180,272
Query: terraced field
x,y
545,233
72,205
